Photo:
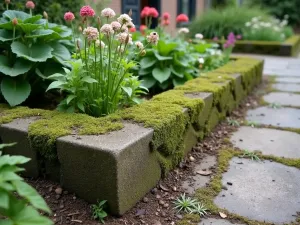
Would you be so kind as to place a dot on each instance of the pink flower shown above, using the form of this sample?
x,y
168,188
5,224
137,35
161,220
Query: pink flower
x,y
239,37
14,21
182,18
165,22
215,39
143,28
69,16
132,29
87,11
91,33
115,25
107,29
145,12
166,16
153,38
108,13
30,5
153,12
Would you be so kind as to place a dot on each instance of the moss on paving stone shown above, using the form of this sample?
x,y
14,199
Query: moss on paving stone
x,y
207,194
164,113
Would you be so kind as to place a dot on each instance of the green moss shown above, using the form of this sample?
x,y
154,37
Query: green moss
x,y
189,219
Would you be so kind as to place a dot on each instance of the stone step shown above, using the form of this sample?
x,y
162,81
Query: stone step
x,y
285,99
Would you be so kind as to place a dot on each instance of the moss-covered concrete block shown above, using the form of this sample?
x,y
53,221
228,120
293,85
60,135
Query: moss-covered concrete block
x,y
118,167
17,132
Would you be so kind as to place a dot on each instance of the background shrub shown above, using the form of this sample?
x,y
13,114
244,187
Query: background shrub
x,y
280,8
220,22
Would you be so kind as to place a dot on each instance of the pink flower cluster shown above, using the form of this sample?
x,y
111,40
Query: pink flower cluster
x,y
69,16
87,11
230,41
181,18
165,19
30,5
149,12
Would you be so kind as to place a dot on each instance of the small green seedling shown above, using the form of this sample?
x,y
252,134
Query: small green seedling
x,y
200,209
252,155
233,123
275,105
99,212
185,204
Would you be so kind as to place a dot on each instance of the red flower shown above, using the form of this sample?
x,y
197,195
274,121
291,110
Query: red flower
x,y
14,22
182,18
166,16
69,16
153,12
132,29
143,28
166,22
87,11
30,5
145,12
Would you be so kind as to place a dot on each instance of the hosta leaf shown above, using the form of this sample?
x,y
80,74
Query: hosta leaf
x,y
148,82
26,191
15,91
6,25
11,14
28,27
60,52
161,74
39,33
164,85
143,72
162,58
178,81
178,71
6,35
35,53
33,19
165,48
147,62
19,67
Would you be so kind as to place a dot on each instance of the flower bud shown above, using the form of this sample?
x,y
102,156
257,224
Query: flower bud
x,y
80,29
127,39
7,2
143,53
78,45
45,14
99,21
15,22
130,13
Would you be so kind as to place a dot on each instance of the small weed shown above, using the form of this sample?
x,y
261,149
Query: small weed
x,y
252,155
189,205
99,212
275,105
233,123
252,123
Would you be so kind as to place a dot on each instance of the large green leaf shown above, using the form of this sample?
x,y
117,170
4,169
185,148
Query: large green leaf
x,y
60,52
161,74
7,35
7,25
178,71
39,33
147,62
162,58
36,53
33,19
19,67
4,199
15,91
26,191
11,14
201,48
148,82
165,48
28,27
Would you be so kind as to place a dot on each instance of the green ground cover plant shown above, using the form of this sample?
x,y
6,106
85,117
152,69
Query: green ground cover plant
x,y
31,48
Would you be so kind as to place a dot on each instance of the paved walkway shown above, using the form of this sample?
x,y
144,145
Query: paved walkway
x,y
267,191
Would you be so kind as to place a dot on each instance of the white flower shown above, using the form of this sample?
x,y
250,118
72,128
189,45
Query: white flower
x,y
130,25
107,29
255,19
219,52
255,26
286,16
201,60
124,29
248,24
183,30
98,43
91,33
153,38
212,52
115,25
283,23
124,38
124,19
108,13
199,36
139,45
276,28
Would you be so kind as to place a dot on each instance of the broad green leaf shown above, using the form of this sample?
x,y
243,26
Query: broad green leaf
x,y
11,14
162,58
60,52
7,25
165,48
39,33
147,62
6,35
80,106
127,90
19,67
6,222
161,74
177,71
164,85
31,195
201,48
177,82
36,53
15,91
148,82
7,173
33,19
28,27
143,72
12,160
4,199
55,84
57,76
89,80
7,145
70,98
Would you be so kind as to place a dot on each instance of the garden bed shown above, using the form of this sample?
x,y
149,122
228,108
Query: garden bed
x,y
120,157
290,47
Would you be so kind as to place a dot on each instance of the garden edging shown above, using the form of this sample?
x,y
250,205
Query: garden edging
x,y
121,157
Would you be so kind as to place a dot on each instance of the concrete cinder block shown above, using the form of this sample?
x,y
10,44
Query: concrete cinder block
x,y
118,167
17,131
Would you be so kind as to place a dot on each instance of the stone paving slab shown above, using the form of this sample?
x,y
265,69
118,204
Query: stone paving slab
x,y
212,221
282,72
283,117
268,141
282,98
263,191
286,87
288,80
